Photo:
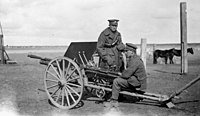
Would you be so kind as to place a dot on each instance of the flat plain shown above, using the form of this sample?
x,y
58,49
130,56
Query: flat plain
x,y
21,88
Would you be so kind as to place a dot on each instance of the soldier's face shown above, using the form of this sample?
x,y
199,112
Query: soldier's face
x,y
113,28
129,53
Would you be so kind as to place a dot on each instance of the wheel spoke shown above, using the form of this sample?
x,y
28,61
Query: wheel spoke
x,y
55,70
53,75
73,84
55,91
71,73
73,91
63,67
67,68
67,97
62,98
52,86
59,69
58,95
74,78
52,80
70,94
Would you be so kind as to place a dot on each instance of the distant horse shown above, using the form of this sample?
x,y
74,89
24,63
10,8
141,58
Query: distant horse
x,y
177,52
163,54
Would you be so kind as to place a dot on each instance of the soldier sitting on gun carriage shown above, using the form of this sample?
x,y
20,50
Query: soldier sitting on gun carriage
x,y
133,77
109,47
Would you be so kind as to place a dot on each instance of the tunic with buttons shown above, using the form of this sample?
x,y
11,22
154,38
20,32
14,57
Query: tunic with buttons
x,y
108,52
135,69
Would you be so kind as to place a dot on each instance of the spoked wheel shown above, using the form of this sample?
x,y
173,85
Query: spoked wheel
x,y
63,82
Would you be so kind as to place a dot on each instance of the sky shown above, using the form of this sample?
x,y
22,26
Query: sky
x,y
59,22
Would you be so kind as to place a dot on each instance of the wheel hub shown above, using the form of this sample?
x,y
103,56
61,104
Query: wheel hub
x,y
61,82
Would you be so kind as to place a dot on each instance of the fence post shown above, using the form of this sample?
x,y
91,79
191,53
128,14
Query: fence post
x,y
154,47
1,46
143,50
183,29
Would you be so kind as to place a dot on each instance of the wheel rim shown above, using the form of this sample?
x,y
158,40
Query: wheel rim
x,y
63,82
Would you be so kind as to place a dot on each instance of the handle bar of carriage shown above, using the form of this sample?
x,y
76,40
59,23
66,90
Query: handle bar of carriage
x,y
183,88
160,97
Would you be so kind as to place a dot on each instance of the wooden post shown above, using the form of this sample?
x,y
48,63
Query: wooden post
x,y
1,46
154,47
183,28
143,50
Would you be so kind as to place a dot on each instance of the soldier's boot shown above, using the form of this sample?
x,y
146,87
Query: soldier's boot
x,y
112,103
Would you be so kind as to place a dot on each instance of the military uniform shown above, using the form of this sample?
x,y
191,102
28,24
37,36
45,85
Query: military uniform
x,y
133,77
108,47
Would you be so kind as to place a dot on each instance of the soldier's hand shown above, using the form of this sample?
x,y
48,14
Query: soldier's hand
x,y
114,43
120,74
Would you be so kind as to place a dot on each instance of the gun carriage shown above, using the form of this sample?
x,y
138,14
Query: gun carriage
x,y
66,77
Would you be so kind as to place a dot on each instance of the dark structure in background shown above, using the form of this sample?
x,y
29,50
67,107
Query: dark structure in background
x,y
74,48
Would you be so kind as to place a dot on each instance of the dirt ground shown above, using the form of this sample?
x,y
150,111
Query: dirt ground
x,y
21,91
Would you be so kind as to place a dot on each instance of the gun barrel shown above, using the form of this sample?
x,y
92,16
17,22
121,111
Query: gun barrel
x,y
45,62
38,57
34,56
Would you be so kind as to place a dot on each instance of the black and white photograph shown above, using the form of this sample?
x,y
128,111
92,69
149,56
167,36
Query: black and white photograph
x,y
99,57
